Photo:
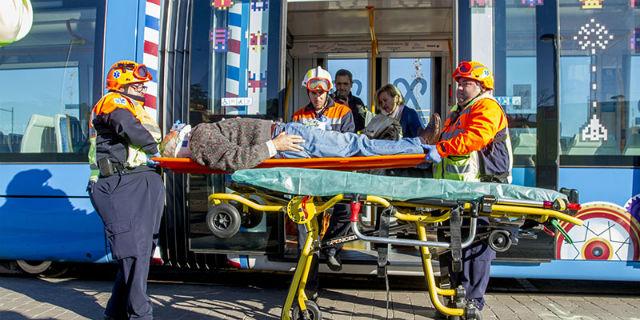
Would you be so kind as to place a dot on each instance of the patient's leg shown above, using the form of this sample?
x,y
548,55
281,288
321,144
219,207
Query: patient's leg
x,y
319,143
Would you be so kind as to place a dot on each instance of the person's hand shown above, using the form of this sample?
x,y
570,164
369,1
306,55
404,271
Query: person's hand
x,y
288,142
432,153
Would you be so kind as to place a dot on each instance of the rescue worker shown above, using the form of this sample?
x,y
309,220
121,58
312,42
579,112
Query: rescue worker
x,y
474,146
344,83
333,116
322,111
128,194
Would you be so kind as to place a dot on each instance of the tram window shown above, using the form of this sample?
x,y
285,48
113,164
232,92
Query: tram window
x,y
234,70
240,57
599,89
520,104
359,68
412,76
47,83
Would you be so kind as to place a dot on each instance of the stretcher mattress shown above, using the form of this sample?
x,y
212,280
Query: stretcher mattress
x,y
186,165
300,181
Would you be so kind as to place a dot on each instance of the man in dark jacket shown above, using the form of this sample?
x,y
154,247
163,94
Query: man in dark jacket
x,y
343,95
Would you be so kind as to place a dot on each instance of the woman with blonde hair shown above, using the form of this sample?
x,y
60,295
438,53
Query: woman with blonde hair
x,y
391,103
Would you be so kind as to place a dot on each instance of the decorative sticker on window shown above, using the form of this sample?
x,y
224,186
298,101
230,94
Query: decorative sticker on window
x,y
219,38
591,4
594,131
591,37
246,56
531,3
222,4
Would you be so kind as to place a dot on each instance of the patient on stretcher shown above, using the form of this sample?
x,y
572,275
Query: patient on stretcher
x,y
242,143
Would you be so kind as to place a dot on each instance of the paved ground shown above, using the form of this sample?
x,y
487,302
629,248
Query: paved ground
x,y
249,297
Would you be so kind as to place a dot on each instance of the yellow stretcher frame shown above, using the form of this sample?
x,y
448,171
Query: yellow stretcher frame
x,y
316,206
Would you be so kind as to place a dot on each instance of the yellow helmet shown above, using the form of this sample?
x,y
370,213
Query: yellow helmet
x,y
475,71
126,72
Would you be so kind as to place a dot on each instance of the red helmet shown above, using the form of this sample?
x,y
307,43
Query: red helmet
x,y
126,72
475,71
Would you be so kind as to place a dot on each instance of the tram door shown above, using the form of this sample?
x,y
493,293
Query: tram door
x,y
413,54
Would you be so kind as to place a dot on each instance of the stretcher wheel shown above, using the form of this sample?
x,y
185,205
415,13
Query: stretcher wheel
x,y
223,220
499,240
472,314
312,313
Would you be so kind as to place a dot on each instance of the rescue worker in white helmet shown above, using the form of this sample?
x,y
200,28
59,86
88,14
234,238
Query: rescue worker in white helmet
x,y
127,193
322,111
325,113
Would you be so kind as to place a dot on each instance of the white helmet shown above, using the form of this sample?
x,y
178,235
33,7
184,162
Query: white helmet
x,y
16,18
317,79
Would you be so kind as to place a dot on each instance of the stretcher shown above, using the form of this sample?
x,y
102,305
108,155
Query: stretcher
x,y
186,165
424,204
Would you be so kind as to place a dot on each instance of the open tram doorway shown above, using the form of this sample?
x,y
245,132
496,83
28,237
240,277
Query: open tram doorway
x,y
414,42
414,48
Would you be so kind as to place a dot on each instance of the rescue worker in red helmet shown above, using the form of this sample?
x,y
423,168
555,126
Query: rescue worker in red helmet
x,y
127,193
474,146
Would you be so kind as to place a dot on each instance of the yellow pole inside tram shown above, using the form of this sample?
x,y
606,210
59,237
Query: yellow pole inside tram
x,y
374,55
287,95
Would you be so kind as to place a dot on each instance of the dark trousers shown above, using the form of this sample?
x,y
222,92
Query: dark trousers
x,y
339,224
131,207
476,265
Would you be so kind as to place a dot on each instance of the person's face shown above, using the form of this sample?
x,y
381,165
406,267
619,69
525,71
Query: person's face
x,y
467,90
318,99
387,103
136,89
343,86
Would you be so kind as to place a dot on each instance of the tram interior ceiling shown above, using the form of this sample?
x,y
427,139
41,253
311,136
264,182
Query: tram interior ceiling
x,y
331,33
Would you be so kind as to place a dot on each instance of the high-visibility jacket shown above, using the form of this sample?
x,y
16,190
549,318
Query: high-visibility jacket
x,y
121,130
475,143
335,117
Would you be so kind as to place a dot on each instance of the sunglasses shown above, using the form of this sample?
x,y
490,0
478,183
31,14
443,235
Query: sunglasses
x,y
139,87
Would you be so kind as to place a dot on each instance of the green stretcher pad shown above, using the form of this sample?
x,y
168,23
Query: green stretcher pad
x,y
314,182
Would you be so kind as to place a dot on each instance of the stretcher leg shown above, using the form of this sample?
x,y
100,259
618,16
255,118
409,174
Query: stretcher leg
x,y
296,289
434,291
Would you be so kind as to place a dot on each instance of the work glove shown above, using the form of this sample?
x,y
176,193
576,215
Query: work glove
x,y
151,163
431,153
